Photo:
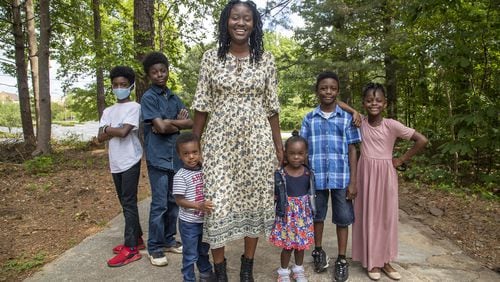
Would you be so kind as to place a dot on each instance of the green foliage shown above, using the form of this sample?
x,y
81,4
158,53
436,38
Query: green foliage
x,y
291,117
83,103
37,186
39,165
73,141
23,263
61,114
10,115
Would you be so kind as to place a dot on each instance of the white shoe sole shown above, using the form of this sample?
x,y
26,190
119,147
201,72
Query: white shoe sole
x,y
158,261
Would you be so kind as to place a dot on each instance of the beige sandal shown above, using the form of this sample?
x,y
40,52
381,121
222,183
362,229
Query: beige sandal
x,y
394,275
374,275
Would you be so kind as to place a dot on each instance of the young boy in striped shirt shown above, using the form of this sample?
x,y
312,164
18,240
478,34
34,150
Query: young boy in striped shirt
x,y
188,193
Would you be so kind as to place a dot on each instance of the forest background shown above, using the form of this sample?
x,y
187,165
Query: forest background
x,y
438,59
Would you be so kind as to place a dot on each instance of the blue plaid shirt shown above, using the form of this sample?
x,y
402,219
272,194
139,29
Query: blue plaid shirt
x,y
328,140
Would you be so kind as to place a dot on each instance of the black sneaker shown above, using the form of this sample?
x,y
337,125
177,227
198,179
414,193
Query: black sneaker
x,y
320,260
341,270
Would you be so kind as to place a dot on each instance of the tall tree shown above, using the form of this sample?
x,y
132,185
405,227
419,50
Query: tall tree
x,y
22,73
98,47
144,34
33,56
44,128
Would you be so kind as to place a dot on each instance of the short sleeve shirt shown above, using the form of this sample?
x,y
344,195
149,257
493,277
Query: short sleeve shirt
x,y
127,151
328,140
189,183
160,148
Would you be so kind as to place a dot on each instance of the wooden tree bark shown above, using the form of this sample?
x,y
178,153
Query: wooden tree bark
x,y
33,57
144,33
389,62
98,45
22,74
44,130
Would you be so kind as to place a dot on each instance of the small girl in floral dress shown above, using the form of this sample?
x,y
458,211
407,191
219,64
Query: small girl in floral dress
x,y
293,228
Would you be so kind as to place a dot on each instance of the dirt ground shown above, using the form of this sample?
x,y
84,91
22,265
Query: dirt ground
x,y
44,214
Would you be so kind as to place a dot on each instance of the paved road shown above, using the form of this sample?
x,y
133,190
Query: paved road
x,y
422,257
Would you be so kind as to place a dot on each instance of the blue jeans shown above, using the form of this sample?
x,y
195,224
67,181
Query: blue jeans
x,y
163,212
126,188
193,250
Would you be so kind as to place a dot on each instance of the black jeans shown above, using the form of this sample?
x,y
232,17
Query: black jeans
x,y
126,188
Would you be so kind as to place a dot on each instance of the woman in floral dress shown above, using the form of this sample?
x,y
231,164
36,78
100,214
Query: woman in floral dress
x,y
236,114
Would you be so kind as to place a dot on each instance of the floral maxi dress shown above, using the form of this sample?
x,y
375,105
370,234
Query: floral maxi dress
x,y
237,146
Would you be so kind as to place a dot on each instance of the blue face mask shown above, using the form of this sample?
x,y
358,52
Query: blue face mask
x,y
122,93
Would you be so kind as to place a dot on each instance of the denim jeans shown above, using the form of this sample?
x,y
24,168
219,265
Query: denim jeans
x,y
193,250
163,212
126,188
342,209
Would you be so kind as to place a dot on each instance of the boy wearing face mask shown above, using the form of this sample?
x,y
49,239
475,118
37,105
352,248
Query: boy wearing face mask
x,y
120,124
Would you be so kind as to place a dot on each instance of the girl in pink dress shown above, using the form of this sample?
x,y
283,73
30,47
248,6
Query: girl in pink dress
x,y
375,230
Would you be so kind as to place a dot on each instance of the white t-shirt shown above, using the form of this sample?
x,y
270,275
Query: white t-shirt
x,y
127,151
189,183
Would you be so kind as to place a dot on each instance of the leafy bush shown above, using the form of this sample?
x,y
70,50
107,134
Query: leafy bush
x,y
73,141
39,165
10,115
291,117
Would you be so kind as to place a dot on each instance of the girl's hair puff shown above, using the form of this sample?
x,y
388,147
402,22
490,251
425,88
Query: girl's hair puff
x,y
373,87
295,138
256,42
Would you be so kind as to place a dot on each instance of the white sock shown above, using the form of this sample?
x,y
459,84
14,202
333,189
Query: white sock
x,y
298,268
283,271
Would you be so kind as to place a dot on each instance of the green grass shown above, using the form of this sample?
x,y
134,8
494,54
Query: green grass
x,y
24,263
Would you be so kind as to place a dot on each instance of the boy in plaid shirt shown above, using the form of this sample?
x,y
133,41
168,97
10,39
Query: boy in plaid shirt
x,y
331,136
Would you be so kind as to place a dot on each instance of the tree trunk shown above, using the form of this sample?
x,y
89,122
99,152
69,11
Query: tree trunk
x,y
43,136
22,74
389,62
98,45
143,39
33,57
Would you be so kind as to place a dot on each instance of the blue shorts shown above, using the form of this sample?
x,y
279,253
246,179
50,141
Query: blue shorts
x,y
342,210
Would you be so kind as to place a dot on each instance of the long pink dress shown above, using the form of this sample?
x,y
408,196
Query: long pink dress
x,y
375,229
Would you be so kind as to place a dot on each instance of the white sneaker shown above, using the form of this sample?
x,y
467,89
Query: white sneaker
x,y
176,249
158,259
283,275
298,273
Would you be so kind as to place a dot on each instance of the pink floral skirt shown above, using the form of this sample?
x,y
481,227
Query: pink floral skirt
x,y
296,229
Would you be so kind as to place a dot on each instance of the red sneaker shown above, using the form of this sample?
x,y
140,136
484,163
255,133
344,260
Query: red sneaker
x,y
125,256
140,246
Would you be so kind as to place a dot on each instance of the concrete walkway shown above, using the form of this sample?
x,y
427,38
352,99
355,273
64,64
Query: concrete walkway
x,y
422,257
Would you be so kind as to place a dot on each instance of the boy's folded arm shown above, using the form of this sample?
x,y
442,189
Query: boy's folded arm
x,y
164,126
101,136
108,132
183,123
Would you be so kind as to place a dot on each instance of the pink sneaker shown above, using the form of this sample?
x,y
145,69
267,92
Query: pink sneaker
x,y
140,246
125,256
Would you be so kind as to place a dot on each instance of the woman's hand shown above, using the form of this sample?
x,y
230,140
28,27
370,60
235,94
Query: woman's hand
x,y
279,155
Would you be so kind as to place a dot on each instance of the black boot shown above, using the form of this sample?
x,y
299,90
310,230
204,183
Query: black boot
x,y
220,271
246,272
